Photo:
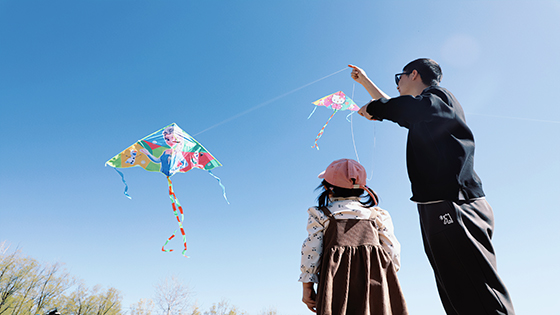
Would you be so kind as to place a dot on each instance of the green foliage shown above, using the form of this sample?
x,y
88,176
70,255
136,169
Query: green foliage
x,y
30,287
91,301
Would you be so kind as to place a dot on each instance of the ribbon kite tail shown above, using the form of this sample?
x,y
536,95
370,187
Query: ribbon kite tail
x,y
312,112
221,185
349,116
176,206
125,184
323,130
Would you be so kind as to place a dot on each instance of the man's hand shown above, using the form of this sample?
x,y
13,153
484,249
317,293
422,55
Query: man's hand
x,y
363,112
359,75
309,296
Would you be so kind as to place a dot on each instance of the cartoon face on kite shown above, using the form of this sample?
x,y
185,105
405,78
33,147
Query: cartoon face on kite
x,y
169,137
337,101
132,157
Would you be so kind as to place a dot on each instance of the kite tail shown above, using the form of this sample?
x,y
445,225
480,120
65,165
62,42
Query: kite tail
x,y
322,130
312,112
125,184
348,117
176,205
221,185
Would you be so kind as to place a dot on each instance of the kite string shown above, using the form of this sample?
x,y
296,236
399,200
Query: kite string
x,y
352,126
372,156
268,102
354,142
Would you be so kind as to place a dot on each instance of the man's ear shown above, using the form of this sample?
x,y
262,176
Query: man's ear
x,y
415,75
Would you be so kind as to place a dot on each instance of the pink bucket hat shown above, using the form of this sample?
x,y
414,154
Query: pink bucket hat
x,y
341,172
347,173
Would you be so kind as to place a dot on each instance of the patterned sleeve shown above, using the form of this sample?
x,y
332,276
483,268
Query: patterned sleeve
x,y
387,236
312,246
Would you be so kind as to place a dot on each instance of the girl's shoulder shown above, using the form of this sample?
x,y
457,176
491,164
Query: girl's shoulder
x,y
382,214
318,213
380,210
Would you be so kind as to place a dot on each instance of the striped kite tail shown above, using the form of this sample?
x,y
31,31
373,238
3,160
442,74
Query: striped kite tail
x,y
176,206
323,130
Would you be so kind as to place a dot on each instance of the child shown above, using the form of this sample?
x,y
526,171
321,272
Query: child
x,y
351,251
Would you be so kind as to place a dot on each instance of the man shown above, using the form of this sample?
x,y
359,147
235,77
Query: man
x,y
455,218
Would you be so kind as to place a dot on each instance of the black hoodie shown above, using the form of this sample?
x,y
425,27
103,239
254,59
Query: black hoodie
x,y
440,145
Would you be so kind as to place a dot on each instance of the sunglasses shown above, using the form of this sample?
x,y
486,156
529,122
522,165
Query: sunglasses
x,y
398,76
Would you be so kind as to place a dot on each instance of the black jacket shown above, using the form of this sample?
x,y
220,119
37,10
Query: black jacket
x,y
440,145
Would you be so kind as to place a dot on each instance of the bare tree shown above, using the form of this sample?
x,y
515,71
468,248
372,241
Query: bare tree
x,y
269,311
172,297
224,308
142,307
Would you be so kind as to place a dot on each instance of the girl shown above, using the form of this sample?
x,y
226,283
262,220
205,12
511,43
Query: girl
x,y
351,251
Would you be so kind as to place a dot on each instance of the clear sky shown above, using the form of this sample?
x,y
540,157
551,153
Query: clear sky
x,y
82,80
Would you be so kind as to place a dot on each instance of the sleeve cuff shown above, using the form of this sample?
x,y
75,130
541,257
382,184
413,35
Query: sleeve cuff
x,y
309,277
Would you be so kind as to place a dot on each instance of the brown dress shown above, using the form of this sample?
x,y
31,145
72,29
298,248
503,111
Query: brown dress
x,y
357,277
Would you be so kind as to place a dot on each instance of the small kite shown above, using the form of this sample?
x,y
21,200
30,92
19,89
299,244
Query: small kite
x,y
169,150
337,101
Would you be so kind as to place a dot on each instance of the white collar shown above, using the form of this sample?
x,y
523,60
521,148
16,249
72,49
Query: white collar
x,y
354,198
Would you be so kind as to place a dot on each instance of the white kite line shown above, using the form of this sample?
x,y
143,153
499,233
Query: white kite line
x,y
267,102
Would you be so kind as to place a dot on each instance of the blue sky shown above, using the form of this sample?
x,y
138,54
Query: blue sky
x,y
82,80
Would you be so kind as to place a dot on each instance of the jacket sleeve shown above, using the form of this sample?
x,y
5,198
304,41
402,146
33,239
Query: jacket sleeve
x,y
387,236
404,110
312,247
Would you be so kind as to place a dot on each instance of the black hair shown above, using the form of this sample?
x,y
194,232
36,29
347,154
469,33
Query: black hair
x,y
327,189
429,70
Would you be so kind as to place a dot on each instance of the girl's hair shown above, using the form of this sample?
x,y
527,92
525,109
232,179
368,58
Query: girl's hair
x,y
327,188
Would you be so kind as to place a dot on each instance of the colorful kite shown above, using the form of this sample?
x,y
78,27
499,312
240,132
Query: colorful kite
x,y
337,101
169,150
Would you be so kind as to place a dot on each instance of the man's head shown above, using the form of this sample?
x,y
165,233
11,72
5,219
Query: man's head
x,y
428,69
418,75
